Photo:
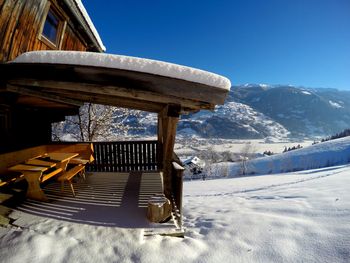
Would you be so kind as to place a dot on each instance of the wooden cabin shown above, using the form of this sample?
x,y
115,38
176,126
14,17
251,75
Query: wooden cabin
x,y
27,25
39,88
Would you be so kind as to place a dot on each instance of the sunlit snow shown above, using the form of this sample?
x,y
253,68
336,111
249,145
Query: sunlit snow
x,y
126,63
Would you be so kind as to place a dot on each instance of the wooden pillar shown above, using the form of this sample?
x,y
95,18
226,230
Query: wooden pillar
x,y
169,119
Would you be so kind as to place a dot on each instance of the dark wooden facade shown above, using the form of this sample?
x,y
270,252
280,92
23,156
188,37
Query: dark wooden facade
x,y
21,23
24,119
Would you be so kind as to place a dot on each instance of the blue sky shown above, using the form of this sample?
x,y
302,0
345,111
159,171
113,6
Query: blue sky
x,y
297,42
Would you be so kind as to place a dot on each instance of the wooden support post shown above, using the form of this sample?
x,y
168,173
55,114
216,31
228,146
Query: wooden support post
x,y
160,128
170,117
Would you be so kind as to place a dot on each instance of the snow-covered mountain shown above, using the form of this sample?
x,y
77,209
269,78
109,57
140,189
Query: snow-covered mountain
x,y
302,111
260,111
231,120
256,111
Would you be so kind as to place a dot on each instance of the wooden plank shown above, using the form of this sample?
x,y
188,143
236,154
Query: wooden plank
x,y
115,149
119,157
111,159
153,163
103,157
111,100
122,92
24,167
149,155
43,95
127,156
10,28
131,154
12,158
98,157
40,163
123,156
46,177
16,37
107,157
136,157
60,156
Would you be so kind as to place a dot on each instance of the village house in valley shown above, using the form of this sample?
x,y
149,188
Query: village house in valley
x,y
67,68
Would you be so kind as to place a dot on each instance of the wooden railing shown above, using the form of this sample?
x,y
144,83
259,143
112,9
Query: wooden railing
x,y
126,156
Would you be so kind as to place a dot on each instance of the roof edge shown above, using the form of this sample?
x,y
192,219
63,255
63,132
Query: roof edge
x,y
84,19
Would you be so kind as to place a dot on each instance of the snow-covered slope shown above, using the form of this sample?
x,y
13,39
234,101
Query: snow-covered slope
x,y
232,120
260,111
295,217
303,111
330,153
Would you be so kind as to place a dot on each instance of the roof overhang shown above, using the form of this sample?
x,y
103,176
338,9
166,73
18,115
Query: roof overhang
x,y
74,83
81,15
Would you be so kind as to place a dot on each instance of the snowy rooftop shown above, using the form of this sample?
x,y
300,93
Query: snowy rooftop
x,y
126,63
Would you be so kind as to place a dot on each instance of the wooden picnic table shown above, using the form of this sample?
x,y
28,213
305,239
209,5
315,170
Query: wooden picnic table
x,y
34,169
61,157
40,163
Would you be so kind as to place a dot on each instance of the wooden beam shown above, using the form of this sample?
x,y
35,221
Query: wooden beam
x,y
170,118
114,77
111,100
100,89
43,95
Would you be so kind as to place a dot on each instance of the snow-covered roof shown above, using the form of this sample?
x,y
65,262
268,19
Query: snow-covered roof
x,y
126,63
90,24
83,17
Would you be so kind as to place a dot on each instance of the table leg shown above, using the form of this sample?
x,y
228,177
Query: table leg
x,y
34,190
62,165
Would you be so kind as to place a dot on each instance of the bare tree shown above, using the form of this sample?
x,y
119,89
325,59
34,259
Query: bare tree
x,y
246,154
95,122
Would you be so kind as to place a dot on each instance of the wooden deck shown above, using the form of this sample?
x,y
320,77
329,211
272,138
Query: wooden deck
x,y
104,199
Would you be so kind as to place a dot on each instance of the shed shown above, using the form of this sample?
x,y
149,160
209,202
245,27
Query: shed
x,y
69,78
38,88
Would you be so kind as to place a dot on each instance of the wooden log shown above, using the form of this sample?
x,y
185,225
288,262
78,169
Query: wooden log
x,y
159,209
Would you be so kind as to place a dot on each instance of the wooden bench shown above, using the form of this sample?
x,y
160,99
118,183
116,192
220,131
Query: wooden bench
x,y
69,175
10,177
30,156
46,176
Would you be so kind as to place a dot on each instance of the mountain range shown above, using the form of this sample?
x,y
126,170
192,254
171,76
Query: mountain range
x,y
260,111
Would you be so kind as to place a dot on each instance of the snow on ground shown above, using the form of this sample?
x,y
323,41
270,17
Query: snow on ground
x,y
330,153
234,146
295,217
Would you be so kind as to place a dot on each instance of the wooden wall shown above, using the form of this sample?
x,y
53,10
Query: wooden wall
x,y
20,26
21,23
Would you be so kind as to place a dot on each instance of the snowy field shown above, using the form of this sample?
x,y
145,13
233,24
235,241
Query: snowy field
x,y
330,153
294,217
234,146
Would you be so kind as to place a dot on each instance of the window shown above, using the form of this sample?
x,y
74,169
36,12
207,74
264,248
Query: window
x,y
51,27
